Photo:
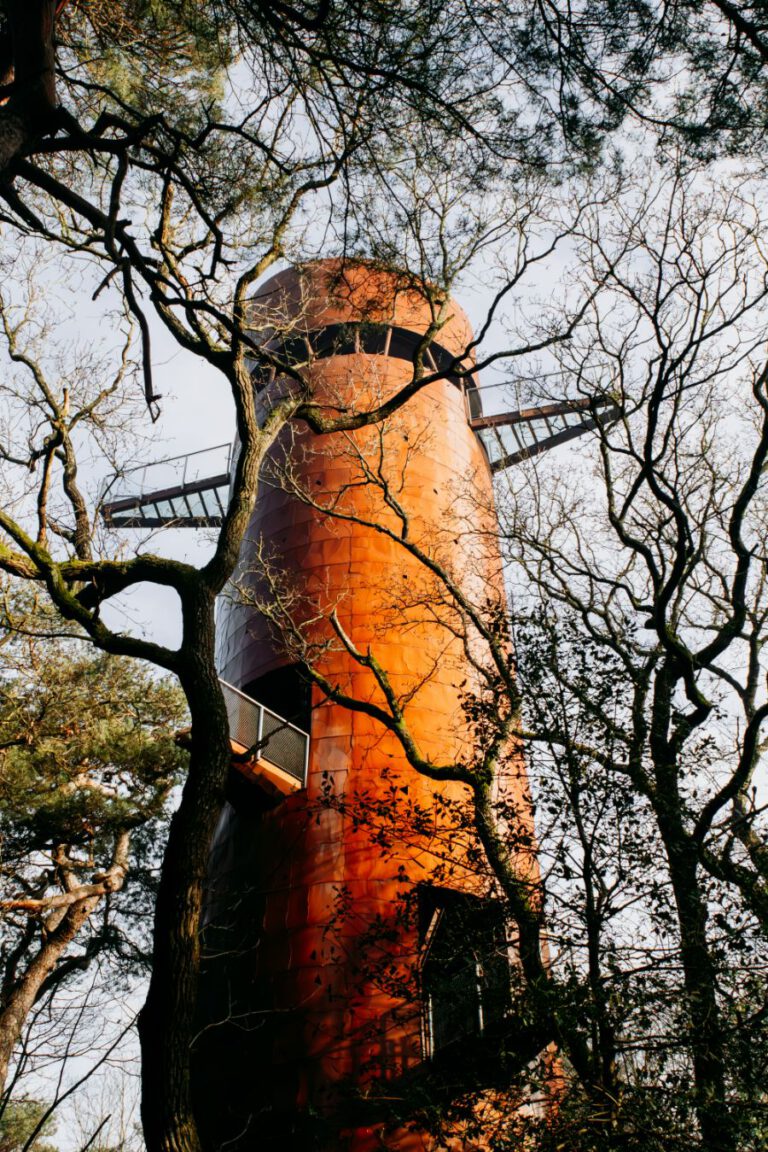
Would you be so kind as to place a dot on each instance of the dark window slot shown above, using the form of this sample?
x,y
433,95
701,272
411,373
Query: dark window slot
x,y
293,351
373,339
403,344
474,402
347,339
335,340
262,375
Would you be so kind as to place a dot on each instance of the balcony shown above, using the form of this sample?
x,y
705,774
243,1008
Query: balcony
x,y
512,436
270,750
190,491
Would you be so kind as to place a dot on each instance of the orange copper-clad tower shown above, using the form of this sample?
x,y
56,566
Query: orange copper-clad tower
x,y
353,938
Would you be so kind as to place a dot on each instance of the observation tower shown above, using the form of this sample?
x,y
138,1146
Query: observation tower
x,y
359,960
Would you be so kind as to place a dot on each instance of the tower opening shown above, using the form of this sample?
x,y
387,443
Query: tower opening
x,y
465,966
287,691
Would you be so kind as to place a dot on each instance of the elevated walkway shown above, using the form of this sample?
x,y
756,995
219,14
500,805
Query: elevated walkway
x,y
192,491
189,491
510,437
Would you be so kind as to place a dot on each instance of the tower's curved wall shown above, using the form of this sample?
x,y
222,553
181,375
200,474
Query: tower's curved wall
x,y
328,879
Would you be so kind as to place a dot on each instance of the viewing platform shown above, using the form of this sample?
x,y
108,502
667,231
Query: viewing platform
x,y
266,748
189,491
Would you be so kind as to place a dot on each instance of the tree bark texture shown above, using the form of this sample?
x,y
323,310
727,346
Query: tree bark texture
x,y
21,1001
167,1021
27,60
700,985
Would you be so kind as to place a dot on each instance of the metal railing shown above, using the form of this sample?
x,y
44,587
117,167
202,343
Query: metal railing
x,y
172,472
189,491
271,737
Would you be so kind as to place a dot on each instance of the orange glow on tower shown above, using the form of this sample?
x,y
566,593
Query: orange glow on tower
x,y
335,907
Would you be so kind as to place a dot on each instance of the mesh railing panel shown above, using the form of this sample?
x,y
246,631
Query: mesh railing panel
x,y
243,717
282,744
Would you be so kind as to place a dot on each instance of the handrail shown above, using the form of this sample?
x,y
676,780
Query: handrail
x,y
120,479
271,737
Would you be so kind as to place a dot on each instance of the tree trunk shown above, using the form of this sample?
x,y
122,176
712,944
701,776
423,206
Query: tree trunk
x,y
706,1042
30,107
167,1020
21,1001
604,1084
